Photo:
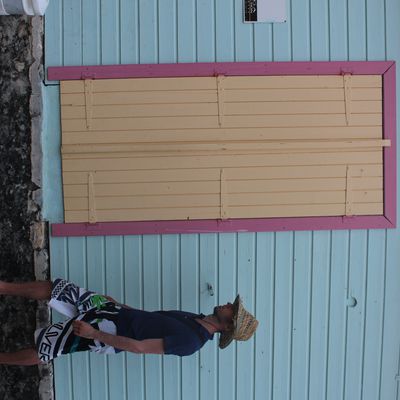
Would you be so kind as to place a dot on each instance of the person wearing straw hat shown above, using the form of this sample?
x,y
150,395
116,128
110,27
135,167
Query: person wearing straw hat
x,y
243,325
100,324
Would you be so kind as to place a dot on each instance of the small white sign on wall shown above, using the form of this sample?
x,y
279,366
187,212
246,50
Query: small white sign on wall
x,y
264,10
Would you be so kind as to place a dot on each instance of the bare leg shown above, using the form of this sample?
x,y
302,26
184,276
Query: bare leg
x,y
37,290
21,357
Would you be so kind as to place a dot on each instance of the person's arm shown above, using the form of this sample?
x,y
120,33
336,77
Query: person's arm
x,y
147,346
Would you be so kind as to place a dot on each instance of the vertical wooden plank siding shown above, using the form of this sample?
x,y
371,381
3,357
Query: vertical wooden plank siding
x,y
110,32
300,340
95,280
283,276
170,249
190,301
227,288
91,42
391,332
313,343
129,31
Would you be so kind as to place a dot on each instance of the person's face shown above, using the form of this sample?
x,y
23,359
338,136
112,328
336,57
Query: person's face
x,y
224,314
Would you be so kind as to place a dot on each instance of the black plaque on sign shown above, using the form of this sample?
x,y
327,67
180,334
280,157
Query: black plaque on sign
x,y
250,10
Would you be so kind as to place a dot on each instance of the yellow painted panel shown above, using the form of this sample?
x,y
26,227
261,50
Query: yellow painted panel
x,y
301,120
207,161
368,208
133,98
154,84
217,135
210,187
274,174
319,171
300,107
147,110
216,153
132,189
309,184
103,124
156,147
304,94
231,82
145,202
213,200
319,197
165,175
247,108
72,87
365,184
141,84
309,81
244,147
146,215
303,210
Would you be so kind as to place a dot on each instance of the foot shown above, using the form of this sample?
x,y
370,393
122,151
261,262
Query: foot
x,y
37,290
2,287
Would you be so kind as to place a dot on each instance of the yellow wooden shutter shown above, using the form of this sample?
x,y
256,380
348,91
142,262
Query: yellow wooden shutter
x,y
222,147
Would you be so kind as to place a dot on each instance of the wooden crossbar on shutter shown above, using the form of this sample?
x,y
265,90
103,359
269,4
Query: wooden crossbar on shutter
x,y
222,147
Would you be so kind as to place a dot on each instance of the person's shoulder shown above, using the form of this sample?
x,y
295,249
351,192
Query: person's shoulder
x,y
179,313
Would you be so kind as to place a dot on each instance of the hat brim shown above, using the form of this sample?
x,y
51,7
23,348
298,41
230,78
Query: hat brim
x,y
226,338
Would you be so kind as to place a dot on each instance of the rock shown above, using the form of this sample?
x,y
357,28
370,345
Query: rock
x,y
39,235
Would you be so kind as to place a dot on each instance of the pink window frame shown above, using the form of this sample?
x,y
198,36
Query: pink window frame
x,y
384,68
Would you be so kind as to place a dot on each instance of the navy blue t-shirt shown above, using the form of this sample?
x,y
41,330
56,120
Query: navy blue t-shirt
x,y
181,333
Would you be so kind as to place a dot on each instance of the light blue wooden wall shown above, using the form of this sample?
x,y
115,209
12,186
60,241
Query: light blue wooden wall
x,y
310,344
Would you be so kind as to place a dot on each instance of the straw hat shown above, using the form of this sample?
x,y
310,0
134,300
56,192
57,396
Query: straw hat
x,y
244,325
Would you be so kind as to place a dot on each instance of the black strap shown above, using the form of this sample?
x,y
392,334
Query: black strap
x,y
191,323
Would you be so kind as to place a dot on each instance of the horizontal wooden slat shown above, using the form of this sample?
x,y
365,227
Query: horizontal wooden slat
x,y
302,120
109,164
304,210
213,187
134,98
232,134
318,197
300,107
141,84
216,153
308,184
213,200
219,148
131,189
368,208
145,202
148,110
210,96
310,81
209,174
234,212
211,109
207,122
143,215
103,124
231,82
165,175
305,94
